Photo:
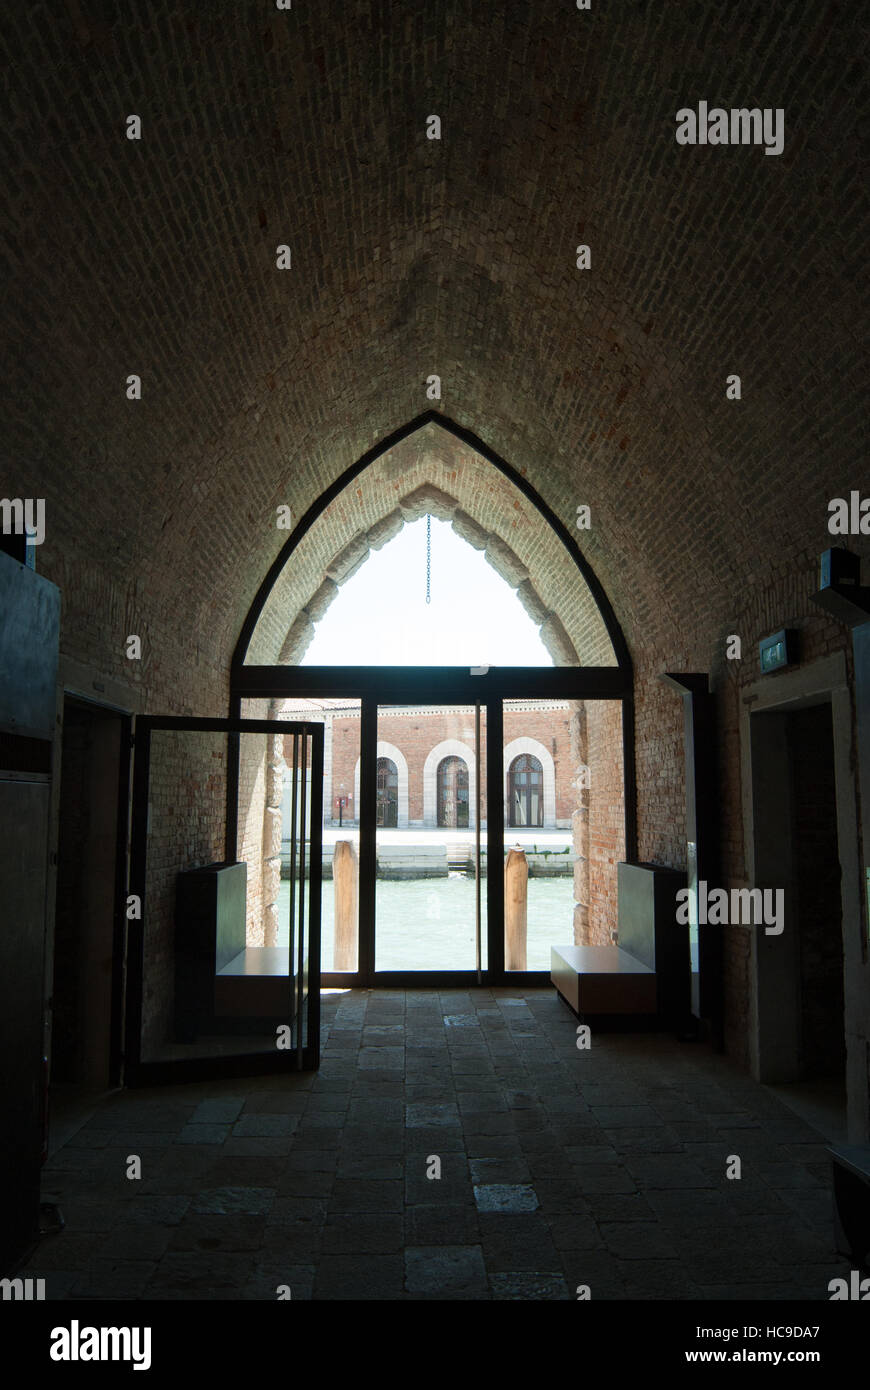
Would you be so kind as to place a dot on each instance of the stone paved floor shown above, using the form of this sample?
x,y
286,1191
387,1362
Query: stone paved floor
x,y
558,1168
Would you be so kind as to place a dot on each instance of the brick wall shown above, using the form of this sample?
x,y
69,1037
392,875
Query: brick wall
x,y
606,815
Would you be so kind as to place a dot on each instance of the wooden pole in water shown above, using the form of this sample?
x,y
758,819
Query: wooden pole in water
x,y
345,877
516,896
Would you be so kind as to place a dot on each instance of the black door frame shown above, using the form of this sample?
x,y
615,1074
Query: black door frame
x,y
423,685
147,1073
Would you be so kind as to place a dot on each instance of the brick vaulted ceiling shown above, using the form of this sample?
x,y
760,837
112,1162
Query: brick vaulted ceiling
x,y
413,256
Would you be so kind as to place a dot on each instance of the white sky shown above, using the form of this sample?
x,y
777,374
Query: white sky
x,y
380,617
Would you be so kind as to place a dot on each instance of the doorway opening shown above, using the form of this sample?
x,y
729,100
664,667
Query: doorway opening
x,y
452,794
801,1004
388,793
526,791
474,617
86,1008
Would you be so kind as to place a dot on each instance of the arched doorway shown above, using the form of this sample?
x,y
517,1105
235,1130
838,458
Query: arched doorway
x,y
388,793
452,794
526,791
433,466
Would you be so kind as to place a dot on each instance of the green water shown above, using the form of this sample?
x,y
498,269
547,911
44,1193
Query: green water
x,y
428,924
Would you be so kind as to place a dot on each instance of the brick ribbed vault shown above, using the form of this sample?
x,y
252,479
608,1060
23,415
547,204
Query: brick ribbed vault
x,y
413,256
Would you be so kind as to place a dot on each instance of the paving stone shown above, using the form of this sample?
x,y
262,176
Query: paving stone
x,y
276,1103
574,1232
505,1197
375,1111
619,1206
185,1274
512,1242
274,1147
665,1170
222,1233
488,1123
219,1111
68,1250
366,1195
454,1183
482,1103
370,1166
299,1183
423,1115
657,1279
445,1269
267,1276
111,1278
203,1134
138,1242
441,1223
596,1269
381,1140
437,1139
363,1233
359,1277
264,1126
637,1240
381,1058
512,1169
686,1210
529,1287
244,1171
224,1201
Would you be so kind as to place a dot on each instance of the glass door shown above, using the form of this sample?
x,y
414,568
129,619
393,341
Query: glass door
x,y
564,826
223,929
430,841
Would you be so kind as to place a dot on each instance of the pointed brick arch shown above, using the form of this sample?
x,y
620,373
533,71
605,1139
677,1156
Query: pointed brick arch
x,y
450,474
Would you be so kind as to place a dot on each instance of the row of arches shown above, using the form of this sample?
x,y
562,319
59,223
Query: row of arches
x,y
449,786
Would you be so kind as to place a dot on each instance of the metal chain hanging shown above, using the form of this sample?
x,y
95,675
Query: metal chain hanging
x,y
428,558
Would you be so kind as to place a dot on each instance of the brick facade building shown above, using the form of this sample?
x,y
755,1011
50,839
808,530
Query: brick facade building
x,y
416,745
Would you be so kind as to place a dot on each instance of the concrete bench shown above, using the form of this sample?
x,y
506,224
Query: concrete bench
x,y
254,984
603,980
647,974
851,1163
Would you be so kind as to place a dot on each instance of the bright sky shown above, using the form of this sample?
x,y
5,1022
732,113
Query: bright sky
x,y
380,617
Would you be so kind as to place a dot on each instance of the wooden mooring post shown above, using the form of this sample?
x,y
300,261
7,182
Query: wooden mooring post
x,y
516,901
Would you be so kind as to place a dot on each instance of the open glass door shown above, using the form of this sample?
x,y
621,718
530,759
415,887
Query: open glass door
x,y
223,942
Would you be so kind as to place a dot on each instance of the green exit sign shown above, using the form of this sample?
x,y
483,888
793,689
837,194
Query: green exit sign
x,y
776,651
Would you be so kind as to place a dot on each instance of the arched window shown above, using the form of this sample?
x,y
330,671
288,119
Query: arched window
x,y
388,793
526,791
452,794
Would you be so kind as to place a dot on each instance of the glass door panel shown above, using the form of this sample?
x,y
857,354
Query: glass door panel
x,y
223,952
430,888
339,719
564,826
